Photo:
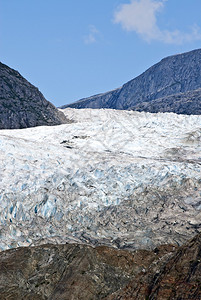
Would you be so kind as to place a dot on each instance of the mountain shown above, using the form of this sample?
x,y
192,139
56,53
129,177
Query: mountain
x,y
22,105
172,76
124,179
188,103
81,272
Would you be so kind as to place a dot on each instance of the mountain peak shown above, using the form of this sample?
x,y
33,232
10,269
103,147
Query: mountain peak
x,y
179,73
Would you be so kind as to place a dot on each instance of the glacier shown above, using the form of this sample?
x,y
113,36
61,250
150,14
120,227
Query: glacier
x,y
122,178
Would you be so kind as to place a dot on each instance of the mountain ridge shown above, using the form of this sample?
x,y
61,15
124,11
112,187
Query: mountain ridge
x,y
174,74
22,105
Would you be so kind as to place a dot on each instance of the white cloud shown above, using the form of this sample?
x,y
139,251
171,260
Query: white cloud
x,y
178,37
92,36
141,16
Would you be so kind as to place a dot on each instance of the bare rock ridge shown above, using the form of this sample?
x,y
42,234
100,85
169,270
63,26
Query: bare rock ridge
x,y
81,272
188,103
173,76
22,105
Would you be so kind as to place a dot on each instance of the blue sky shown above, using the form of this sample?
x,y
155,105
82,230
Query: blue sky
x,y
71,49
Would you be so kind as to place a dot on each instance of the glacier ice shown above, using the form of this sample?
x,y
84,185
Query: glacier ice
x,y
120,178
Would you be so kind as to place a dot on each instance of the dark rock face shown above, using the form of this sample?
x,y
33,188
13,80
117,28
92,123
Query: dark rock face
x,y
188,103
66,271
178,277
171,76
22,105
80,272
106,100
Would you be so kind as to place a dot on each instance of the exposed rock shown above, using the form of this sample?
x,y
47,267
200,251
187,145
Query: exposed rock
x,y
22,105
179,278
188,103
70,271
80,272
105,100
64,272
172,75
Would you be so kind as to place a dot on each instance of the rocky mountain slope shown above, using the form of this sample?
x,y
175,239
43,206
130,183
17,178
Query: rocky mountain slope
x,y
125,179
177,277
80,272
22,105
188,103
173,75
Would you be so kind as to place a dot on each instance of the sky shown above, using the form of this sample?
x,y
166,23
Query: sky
x,y
71,49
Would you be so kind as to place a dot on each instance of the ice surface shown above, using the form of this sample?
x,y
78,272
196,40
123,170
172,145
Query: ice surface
x,y
112,177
